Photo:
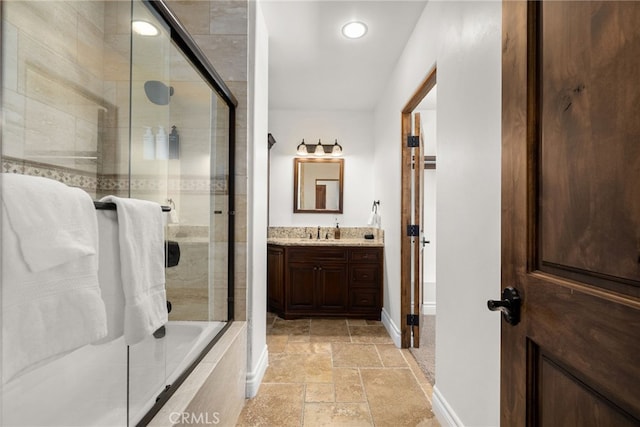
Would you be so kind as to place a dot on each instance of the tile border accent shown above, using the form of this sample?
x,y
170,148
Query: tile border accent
x,y
94,183
72,177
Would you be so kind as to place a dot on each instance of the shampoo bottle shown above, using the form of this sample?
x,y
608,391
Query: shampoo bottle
x,y
162,144
148,145
174,143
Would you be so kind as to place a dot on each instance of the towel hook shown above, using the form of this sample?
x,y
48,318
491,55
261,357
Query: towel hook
x,y
374,208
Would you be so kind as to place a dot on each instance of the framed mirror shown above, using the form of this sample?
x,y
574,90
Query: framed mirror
x,y
317,185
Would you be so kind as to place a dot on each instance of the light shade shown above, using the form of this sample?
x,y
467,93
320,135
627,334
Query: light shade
x,y
302,149
319,149
354,30
337,149
144,28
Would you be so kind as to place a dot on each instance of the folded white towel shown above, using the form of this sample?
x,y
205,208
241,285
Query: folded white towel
x,y
56,223
141,237
51,302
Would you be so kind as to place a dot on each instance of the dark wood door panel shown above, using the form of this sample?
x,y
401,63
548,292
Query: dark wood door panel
x,y
591,335
332,287
275,278
571,212
589,146
556,389
300,292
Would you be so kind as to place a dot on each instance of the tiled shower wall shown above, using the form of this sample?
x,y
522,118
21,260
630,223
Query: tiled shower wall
x,y
65,101
85,103
220,30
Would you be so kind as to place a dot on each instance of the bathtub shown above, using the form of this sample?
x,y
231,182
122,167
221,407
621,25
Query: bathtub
x,y
89,386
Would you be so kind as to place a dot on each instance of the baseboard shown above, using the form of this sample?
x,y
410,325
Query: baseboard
x,y
443,411
429,308
254,378
392,329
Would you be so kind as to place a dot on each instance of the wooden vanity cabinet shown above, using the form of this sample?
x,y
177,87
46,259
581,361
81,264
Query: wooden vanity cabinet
x,y
275,276
325,281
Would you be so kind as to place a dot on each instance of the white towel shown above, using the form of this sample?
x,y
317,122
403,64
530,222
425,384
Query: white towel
x,y
141,236
51,302
109,273
372,218
55,223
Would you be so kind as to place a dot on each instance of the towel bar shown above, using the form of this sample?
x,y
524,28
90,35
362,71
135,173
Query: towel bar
x,y
112,206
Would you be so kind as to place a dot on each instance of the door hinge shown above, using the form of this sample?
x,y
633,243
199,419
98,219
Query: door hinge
x,y
413,141
413,320
413,230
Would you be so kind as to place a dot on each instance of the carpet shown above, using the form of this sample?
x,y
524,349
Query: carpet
x,y
425,355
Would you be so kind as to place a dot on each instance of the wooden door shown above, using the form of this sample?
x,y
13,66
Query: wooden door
x,y
571,213
321,196
418,218
409,244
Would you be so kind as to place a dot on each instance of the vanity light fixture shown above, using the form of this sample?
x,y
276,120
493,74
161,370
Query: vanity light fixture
x,y
302,149
336,150
319,149
354,29
144,28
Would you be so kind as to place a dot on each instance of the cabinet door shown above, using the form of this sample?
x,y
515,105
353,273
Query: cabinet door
x,y
275,279
300,286
332,291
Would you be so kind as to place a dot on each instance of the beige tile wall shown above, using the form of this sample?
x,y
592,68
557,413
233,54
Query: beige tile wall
x,y
220,29
56,78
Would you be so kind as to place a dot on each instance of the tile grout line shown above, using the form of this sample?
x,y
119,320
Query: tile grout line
x,y
304,388
427,395
364,391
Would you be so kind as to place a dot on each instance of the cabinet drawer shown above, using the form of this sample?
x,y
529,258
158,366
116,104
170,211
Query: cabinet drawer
x,y
363,299
316,254
364,275
365,255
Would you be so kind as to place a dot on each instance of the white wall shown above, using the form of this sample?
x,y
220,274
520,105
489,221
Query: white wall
x,y
354,131
464,40
257,161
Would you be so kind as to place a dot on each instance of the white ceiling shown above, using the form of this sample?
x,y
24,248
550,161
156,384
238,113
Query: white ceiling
x,y
312,66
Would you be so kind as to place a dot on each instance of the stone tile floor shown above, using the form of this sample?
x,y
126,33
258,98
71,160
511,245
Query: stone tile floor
x,y
338,372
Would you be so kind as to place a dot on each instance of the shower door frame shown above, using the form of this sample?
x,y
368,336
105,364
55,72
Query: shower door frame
x,y
186,44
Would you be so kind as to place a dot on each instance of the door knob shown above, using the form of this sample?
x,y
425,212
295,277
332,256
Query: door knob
x,y
425,242
509,305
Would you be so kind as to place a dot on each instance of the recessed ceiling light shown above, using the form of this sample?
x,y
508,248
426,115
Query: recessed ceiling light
x,y
144,28
354,30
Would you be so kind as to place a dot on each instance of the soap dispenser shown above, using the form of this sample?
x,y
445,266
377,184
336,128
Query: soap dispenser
x,y
336,233
162,144
148,144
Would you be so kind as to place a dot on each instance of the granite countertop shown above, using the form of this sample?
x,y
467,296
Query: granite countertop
x,y
302,241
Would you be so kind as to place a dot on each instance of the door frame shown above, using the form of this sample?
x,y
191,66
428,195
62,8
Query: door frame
x,y
406,307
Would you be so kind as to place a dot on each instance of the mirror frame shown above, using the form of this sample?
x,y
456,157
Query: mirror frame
x,y
296,163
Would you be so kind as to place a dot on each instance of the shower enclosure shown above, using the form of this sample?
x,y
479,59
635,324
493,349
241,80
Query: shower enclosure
x,y
115,97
